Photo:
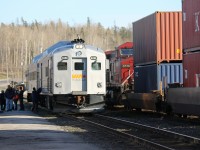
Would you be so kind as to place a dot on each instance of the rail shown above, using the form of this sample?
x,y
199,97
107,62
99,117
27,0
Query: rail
x,y
149,137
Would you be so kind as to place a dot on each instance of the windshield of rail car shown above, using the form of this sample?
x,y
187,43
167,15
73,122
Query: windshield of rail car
x,y
127,51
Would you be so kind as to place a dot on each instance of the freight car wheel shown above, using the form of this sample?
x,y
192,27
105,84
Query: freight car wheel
x,y
138,109
168,109
184,116
127,105
119,100
179,115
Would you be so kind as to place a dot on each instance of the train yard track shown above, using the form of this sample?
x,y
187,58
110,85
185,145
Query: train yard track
x,y
143,135
118,133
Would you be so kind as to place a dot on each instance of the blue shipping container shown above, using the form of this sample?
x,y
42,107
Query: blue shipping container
x,y
147,78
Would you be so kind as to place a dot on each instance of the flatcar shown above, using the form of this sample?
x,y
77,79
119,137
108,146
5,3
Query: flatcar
x,y
71,73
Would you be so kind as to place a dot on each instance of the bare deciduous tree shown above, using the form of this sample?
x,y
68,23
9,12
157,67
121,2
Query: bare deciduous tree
x,y
20,42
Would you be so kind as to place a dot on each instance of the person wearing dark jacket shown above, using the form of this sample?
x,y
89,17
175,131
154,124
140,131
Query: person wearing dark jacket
x,y
15,99
9,94
34,97
2,101
21,98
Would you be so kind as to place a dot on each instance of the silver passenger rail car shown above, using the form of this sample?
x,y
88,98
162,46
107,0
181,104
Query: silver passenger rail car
x,y
70,73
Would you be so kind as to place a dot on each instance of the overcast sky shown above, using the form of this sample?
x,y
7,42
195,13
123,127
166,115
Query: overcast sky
x,y
74,12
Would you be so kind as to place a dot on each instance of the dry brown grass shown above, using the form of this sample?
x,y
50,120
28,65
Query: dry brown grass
x,y
2,75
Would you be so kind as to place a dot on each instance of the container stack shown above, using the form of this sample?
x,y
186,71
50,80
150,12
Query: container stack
x,y
191,42
158,51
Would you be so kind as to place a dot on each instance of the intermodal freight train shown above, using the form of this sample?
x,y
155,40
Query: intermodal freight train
x,y
167,70
120,75
71,73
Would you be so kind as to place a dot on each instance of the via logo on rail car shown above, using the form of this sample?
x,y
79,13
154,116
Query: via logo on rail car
x,y
78,76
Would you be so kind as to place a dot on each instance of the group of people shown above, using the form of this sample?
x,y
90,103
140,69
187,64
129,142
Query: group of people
x,y
10,98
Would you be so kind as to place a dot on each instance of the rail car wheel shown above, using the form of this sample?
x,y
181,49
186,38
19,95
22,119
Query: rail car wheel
x,y
168,109
121,99
127,105
138,109
49,102
42,100
179,115
184,116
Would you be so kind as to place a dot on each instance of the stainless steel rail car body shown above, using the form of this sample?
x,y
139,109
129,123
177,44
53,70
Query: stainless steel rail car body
x,y
72,73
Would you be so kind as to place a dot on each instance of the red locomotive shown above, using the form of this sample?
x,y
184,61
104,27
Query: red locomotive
x,y
120,76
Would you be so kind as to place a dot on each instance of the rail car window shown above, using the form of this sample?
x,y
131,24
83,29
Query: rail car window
x,y
79,66
96,66
46,71
62,66
127,51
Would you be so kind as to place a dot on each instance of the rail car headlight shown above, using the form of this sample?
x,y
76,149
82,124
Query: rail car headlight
x,y
99,84
79,46
93,57
58,84
64,57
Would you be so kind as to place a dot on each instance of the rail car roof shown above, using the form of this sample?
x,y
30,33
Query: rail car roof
x,y
50,49
36,58
62,45
59,49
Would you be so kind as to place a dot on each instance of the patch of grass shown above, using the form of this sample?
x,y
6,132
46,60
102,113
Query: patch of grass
x,y
2,75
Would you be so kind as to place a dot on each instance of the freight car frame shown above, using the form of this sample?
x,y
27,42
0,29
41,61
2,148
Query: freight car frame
x,y
180,100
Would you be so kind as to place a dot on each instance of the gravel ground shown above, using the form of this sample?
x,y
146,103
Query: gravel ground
x,y
189,126
90,134
110,141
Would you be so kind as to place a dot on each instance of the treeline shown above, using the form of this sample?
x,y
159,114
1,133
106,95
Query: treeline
x,y
21,41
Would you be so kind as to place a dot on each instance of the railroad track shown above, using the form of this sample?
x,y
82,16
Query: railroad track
x,y
143,135
138,136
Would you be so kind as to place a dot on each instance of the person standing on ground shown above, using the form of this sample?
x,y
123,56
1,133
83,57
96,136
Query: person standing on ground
x,y
9,94
15,99
2,100
21,98
34,97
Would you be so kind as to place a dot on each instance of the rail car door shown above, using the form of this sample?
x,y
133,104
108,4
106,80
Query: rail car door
x,y
79,74
49,79
38,76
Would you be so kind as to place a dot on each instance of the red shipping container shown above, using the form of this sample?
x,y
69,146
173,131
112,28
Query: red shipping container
x,y
158,38
191,25
191,65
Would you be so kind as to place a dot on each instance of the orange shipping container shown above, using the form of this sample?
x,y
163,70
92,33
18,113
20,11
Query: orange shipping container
x,y
158,38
